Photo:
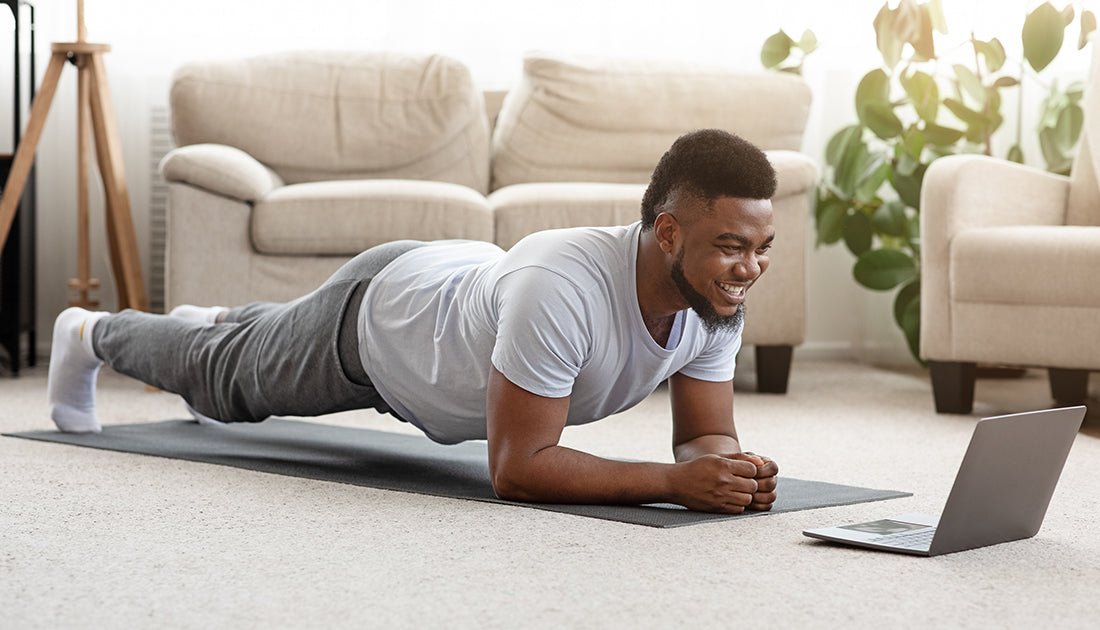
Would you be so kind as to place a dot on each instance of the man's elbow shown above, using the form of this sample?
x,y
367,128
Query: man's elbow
x,y
509,485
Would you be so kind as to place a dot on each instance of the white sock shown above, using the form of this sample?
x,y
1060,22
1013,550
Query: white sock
x,y
201,314
74,367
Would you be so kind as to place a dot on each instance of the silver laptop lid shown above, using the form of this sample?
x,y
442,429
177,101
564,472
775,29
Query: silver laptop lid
x,y
1007,478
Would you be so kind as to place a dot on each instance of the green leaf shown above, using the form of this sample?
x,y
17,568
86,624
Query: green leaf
x,y
1005,82
941,136
890,219
993,52
873,105
830,221
867,189
841,143
904,298
1068,129
858,233
776,49
907,315
1043,33
886,38
923,92
1088,25
808,42
1057,161
970,83
874,87
912,143
1015,154
884,269
967,115
882,121
908,186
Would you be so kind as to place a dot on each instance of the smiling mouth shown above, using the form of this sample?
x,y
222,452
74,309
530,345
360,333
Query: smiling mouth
x,y
733,290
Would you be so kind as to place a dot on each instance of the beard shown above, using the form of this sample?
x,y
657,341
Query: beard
x,y
713,321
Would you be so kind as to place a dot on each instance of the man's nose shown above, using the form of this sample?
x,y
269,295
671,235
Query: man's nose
x,y
747,268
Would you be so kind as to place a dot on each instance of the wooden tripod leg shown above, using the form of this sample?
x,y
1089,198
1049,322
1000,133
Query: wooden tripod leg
x,y
83,282
120,225
24,155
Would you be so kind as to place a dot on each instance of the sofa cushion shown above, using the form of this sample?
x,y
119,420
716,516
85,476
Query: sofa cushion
x,y
527,208
347,217
340,115
610,120
521,209
1027,264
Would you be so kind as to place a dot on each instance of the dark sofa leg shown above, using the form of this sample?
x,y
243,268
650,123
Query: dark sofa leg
x,y
1068,387
773,368
953,385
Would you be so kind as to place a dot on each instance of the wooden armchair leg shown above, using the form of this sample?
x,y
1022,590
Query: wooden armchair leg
x,y
953,385
1068,387
773,368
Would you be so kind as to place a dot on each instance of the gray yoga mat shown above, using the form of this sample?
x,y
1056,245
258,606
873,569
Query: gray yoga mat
x,y
392,461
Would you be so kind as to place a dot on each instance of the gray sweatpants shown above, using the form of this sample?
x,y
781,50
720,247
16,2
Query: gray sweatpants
x,y
295,359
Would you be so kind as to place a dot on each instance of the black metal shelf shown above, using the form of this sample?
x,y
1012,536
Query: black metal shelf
x,y
17,260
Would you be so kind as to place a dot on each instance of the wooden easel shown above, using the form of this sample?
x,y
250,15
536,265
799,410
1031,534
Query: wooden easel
x,y
94,110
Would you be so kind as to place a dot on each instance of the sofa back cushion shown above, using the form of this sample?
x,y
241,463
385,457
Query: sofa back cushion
x,y
313,116
590,119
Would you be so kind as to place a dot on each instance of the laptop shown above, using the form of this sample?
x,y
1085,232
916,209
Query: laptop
x,y
1001,491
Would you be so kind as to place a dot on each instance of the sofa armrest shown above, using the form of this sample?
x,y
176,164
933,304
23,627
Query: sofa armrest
x,y
220,169
797,172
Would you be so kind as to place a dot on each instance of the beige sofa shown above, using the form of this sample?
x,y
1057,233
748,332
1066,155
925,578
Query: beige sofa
x,y
290,164
1009,262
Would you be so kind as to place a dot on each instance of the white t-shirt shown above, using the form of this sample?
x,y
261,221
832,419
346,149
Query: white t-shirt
x,y
558,314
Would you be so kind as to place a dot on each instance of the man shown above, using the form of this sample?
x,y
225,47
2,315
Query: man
x,y
466,341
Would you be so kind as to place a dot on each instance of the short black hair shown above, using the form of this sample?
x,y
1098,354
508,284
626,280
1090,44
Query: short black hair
x,y
708,164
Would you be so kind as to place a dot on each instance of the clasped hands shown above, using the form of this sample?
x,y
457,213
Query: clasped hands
x,y
729,483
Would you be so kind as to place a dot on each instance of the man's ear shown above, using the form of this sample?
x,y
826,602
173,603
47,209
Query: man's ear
x,y
666,229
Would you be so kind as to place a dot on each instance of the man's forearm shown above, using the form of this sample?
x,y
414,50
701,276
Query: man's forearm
x,y
562,475
719,444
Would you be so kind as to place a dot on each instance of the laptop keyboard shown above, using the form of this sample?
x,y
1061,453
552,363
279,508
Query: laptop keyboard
x,y
916,539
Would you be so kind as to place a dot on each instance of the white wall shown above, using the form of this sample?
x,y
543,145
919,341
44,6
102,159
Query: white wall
x,y
152,37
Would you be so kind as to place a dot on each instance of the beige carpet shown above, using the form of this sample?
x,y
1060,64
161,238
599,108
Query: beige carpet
x,y
94,539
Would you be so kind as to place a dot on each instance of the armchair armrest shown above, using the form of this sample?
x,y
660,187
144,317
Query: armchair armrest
x,y
969,191
221,169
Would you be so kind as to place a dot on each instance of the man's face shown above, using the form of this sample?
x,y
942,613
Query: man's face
x,y
720,255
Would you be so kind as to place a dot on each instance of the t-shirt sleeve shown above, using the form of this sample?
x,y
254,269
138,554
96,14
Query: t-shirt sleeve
x,y
717,360
543,335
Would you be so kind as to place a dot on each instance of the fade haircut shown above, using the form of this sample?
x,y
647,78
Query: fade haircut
x,y
708,164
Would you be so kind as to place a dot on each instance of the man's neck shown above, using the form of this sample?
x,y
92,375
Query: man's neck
x,y
653,286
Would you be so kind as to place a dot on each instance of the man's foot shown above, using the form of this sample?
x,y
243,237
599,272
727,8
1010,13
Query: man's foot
x,y
201,314
74,367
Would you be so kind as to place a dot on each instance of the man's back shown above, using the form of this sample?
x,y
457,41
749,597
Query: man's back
x,y
558,314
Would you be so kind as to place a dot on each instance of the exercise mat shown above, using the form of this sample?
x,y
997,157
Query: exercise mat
x,y
393,461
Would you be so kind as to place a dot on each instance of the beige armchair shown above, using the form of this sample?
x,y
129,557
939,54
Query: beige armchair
x,y
1010,257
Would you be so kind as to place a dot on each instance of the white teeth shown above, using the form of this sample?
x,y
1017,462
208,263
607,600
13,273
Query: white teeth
x,y
729,288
